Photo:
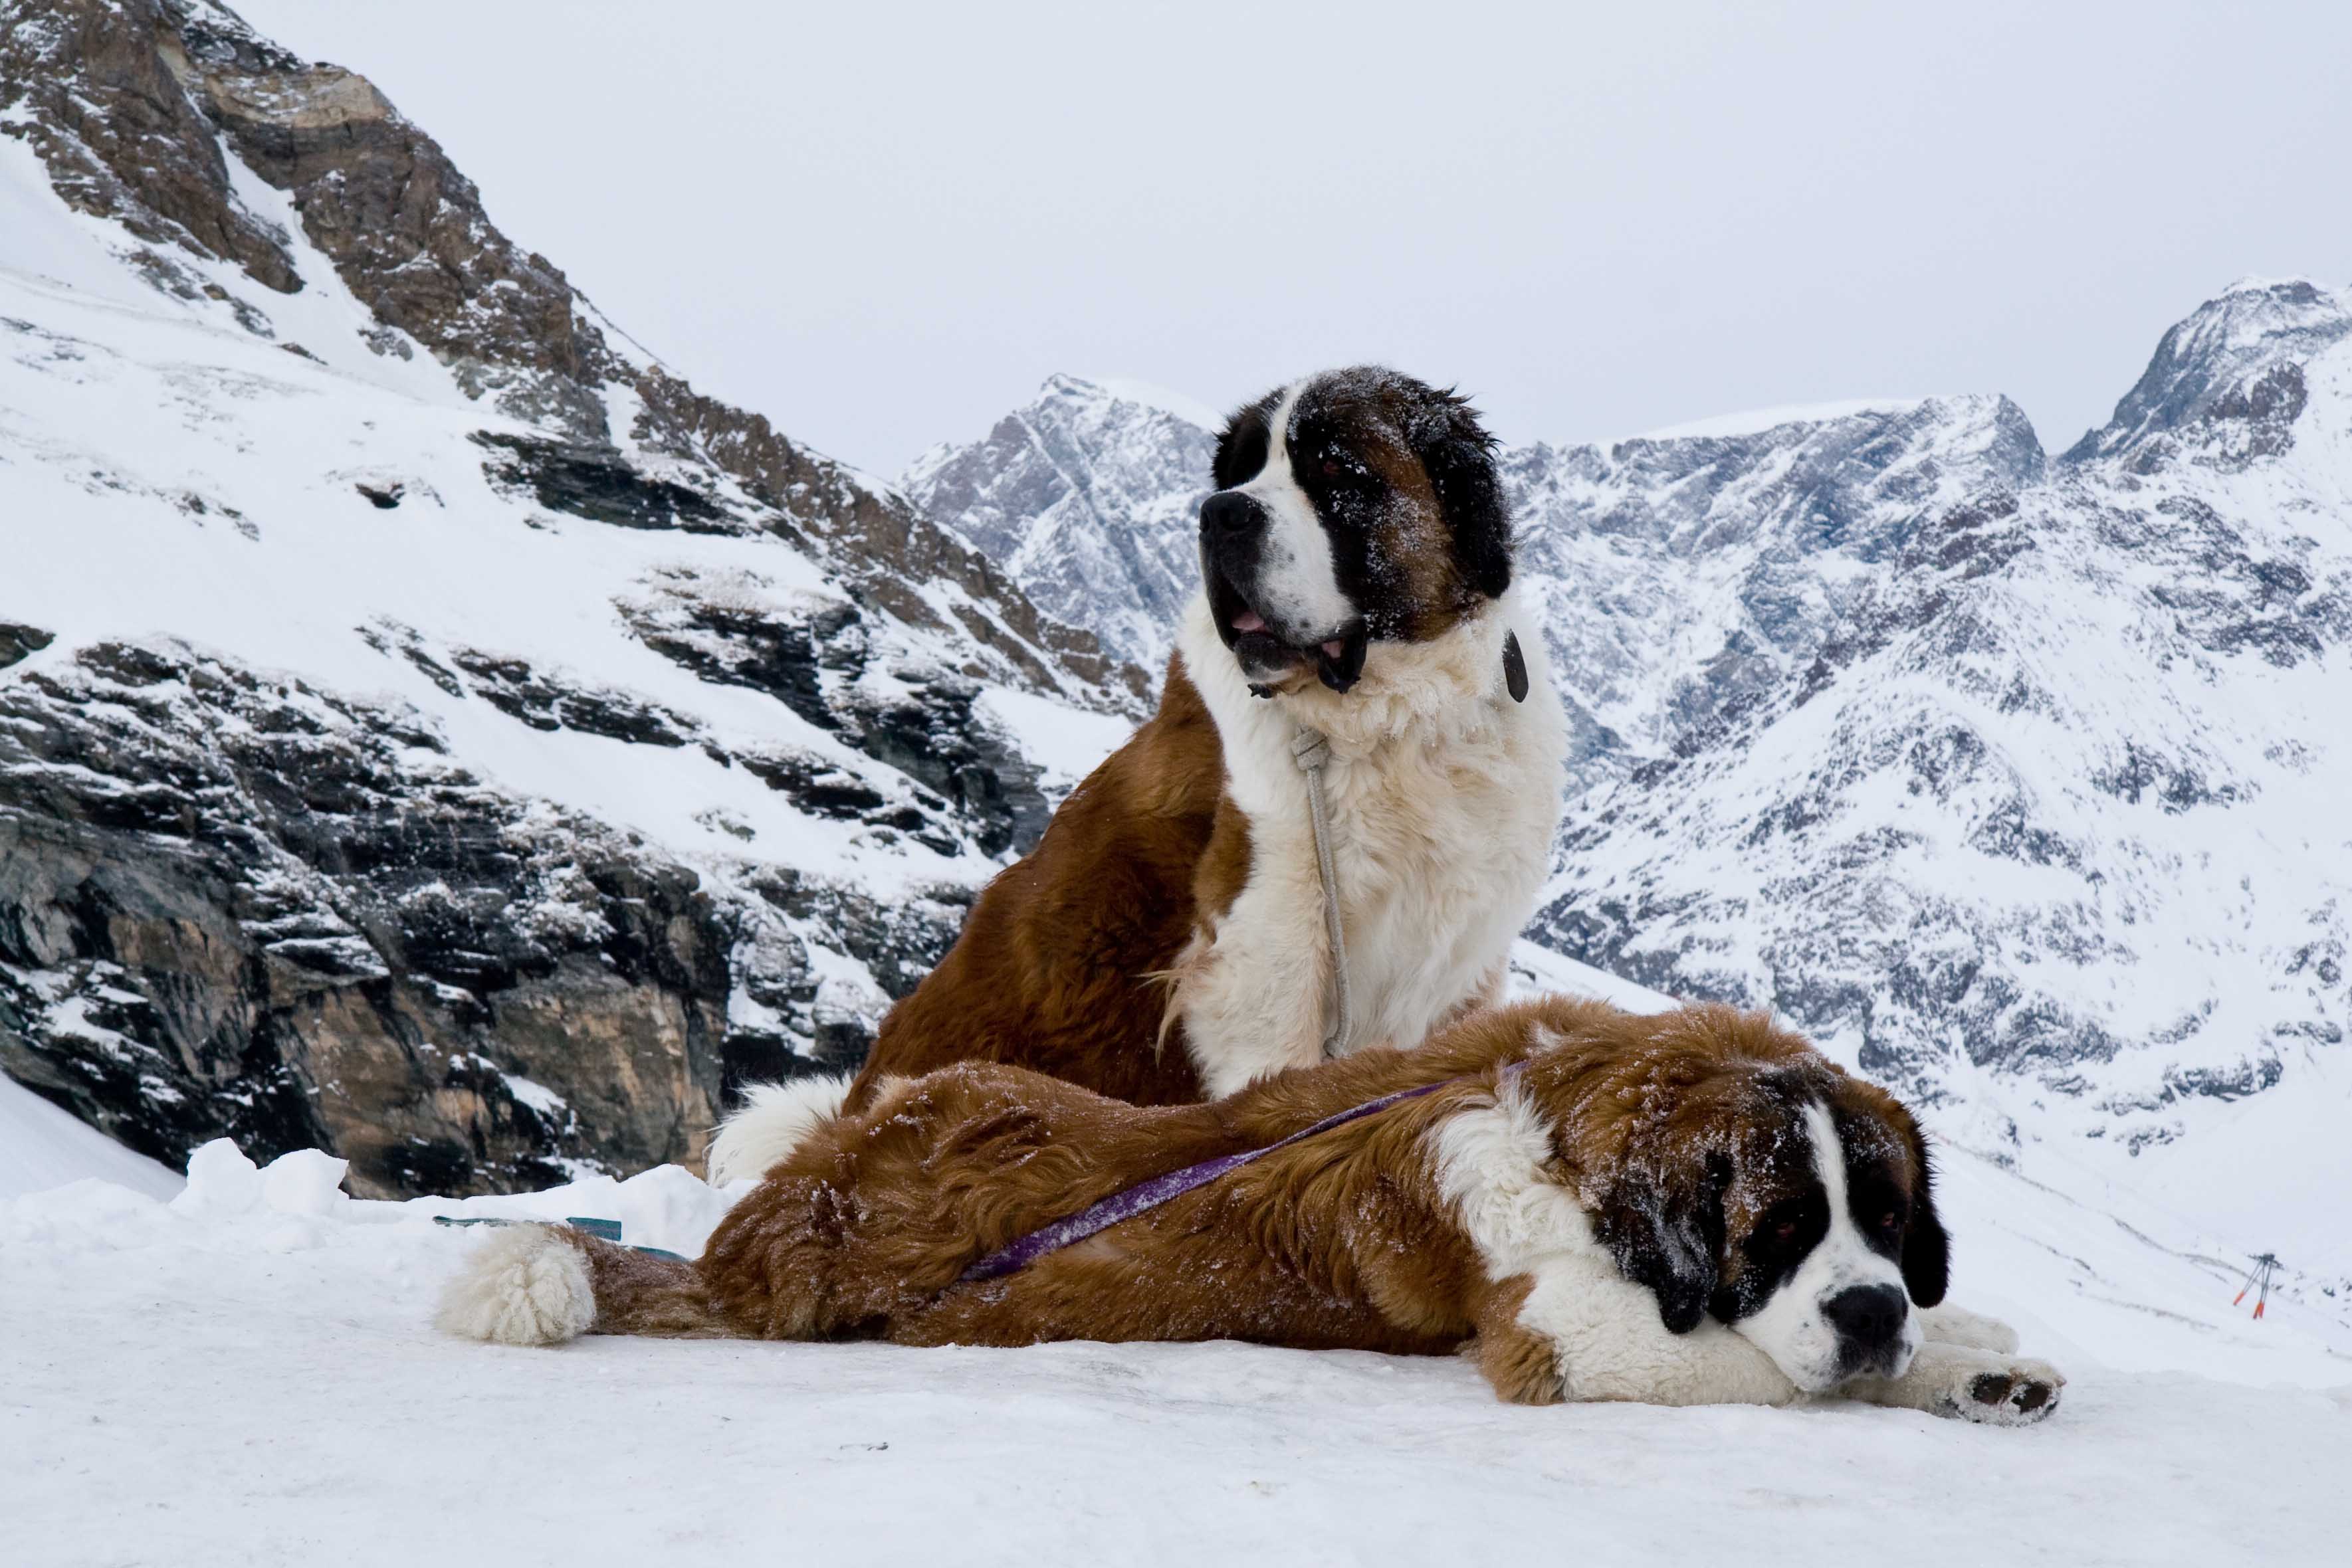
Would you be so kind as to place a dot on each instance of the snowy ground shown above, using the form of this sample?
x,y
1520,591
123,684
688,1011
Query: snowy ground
x,y
245,1373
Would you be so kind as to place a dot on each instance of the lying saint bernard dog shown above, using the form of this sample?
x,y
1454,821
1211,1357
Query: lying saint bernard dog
x,y
1166,940
1691,1208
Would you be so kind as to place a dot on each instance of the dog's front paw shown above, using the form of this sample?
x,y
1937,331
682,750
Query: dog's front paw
x,y
2017,1392
1970,1384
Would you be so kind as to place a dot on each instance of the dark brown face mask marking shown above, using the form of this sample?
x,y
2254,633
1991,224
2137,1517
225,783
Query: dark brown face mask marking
x,y
1400,477
1689,1142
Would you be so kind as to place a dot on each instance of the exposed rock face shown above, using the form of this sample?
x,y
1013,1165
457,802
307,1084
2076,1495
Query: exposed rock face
x,y
232,906
429,728
2226,386
813,656
18,643
96,96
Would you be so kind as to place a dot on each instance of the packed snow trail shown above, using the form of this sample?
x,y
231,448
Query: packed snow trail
x,y
248,1375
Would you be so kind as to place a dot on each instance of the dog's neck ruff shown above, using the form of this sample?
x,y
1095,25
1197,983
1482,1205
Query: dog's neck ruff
x,y
1145,1196
1311,749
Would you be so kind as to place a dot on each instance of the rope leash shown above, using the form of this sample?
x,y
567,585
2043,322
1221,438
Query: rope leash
x,y
1312,752
1311,749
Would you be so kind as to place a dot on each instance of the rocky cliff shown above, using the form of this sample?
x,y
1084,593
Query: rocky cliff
x,y
430,729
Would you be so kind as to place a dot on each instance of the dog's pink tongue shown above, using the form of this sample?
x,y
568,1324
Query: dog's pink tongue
x,y
1249,621
1335,647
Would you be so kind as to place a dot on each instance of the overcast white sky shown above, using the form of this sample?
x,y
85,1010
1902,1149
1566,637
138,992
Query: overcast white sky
x,y
884,224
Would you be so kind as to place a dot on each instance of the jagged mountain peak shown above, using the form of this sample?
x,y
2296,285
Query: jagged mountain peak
x,y
2228,379
1085,495
232,167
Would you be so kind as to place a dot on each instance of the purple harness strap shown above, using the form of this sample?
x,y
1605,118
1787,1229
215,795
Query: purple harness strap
x,y
1144,1197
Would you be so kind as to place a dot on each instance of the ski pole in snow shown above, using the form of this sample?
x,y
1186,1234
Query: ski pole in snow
x,y
2258,1280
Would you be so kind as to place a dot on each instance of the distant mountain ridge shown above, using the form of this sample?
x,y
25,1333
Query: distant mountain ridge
x,y
2014,779
1085,496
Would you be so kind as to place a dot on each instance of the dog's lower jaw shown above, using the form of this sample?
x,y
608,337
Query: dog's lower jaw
x,y
1829,1369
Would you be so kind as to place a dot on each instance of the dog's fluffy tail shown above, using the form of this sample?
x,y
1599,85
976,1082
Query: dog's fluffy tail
x,y
773,1119
543,1284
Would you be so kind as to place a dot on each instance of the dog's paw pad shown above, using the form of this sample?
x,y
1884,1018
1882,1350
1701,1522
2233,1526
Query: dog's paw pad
x,y
2015,1395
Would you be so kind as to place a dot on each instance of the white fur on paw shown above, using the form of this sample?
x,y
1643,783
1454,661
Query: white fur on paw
x,y
1957,1325
2016,1392
524,1285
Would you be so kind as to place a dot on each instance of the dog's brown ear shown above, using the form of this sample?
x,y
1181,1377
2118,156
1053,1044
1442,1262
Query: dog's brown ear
x,y
1927,1249
1668,1238
1459,457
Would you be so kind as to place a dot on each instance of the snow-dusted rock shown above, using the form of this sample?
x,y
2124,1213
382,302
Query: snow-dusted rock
x,y
429,728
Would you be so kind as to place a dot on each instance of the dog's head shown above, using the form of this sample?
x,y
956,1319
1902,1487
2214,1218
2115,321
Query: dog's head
x,y
1353,507
1736,1171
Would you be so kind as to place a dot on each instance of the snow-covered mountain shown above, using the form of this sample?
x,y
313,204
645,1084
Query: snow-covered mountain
x,y
1086,496
2021,783
2047,820
430,729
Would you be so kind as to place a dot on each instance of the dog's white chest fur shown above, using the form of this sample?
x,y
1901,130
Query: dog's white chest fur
x,y
1443,797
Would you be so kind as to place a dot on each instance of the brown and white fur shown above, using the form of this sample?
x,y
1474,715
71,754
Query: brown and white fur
x,y
1692,1207
1165,941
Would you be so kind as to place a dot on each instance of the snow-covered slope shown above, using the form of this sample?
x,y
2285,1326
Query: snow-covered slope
x,y
1684,575
2019,782
429,728
43,1147
2052,825
2188,1433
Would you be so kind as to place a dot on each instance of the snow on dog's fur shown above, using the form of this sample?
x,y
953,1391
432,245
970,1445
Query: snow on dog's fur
x,y
1686,1207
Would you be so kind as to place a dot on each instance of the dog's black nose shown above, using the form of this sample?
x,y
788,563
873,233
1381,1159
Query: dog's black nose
x,y
1230,512
1867,1316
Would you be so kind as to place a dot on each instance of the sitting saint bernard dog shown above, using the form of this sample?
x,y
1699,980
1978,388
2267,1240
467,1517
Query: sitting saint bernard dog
x,y
1168,939
1692,1207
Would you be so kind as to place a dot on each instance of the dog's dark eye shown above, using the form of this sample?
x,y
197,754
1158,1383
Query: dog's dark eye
x,y
1785,1231
1339,463
1890,1220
